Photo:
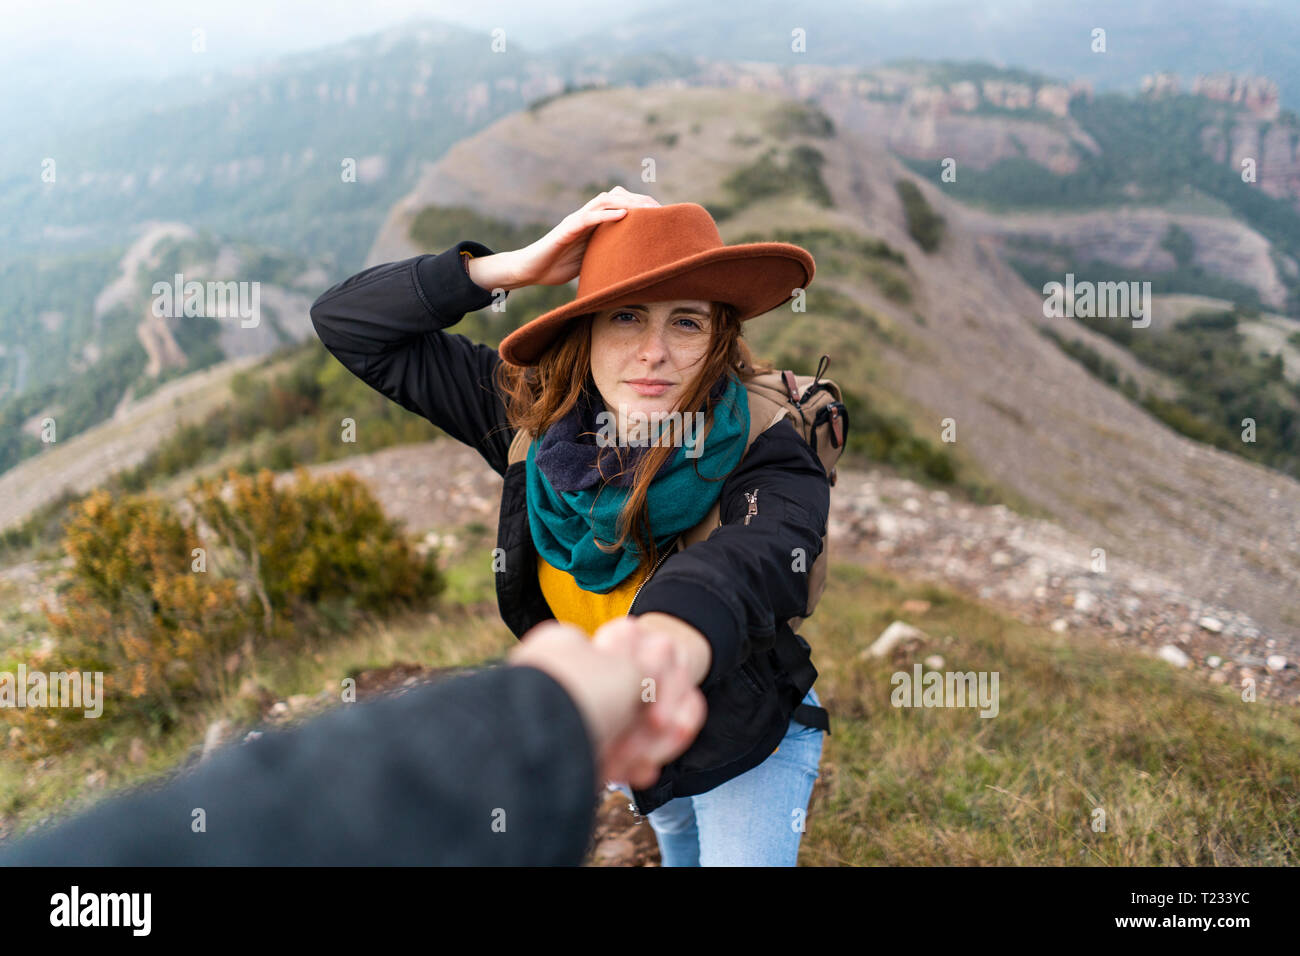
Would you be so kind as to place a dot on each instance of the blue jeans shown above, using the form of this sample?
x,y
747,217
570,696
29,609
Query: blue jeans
x,y
754,819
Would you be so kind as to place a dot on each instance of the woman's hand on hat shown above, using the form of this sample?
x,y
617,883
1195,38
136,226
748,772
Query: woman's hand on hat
x,y
556,258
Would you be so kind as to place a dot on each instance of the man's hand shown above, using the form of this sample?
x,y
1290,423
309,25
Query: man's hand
x,y
637,700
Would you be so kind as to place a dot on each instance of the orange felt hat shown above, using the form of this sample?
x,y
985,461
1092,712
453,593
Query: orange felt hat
x,y
655,253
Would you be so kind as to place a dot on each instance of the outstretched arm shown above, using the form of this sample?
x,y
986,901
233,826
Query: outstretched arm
x,y
410,781
495,767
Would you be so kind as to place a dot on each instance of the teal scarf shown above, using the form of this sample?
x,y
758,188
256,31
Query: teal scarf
x,y
575,492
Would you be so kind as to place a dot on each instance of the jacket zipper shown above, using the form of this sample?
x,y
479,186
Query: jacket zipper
x,y
662,558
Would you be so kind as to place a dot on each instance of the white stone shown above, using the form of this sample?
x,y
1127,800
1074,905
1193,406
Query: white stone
x,y
1174,655
892,636
212,738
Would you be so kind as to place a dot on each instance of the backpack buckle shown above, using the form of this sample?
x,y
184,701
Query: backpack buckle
x,y
837,426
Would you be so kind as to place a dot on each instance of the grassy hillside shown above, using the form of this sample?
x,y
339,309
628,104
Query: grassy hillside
x,y
1225,381
67,359
286,410
1186,775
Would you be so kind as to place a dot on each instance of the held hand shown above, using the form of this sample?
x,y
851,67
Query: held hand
x,y
556,258
632,741
673,709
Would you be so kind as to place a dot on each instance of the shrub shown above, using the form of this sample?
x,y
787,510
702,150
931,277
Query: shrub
x,y
925,225
319,539
799,119
890,439
134,610
170,625
767,176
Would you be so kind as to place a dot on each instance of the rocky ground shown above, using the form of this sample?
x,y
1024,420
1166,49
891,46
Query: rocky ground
x,y
1045,575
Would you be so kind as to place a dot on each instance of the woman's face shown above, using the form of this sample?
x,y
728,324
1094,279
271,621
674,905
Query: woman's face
x,y
644,357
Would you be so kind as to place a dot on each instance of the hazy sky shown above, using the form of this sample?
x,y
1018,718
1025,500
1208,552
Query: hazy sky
x,y
152,37
64,51
119,38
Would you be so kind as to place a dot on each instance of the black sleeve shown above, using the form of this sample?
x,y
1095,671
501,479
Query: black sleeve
x,y
739,582
492,768
385,325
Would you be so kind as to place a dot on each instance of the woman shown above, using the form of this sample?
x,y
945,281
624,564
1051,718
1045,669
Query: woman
x,y
593,517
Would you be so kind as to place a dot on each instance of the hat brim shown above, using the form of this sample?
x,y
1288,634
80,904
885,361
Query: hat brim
x,y
754,277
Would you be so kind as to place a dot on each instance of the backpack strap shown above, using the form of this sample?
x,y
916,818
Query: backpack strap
x,y
795,658
764,413
811,716
519,446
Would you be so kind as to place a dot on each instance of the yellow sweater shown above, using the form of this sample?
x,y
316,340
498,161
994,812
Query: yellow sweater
x,y
587,609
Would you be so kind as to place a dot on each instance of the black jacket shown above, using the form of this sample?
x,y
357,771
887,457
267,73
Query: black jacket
x,y
386,324
491,768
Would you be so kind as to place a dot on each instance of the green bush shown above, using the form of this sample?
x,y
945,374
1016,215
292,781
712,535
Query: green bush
x,y
891,440
799,119
924,224
1222,384
799,174
319,539
1179,243
174,613
133,610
